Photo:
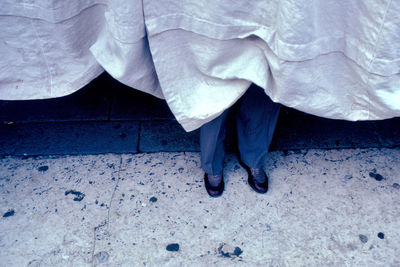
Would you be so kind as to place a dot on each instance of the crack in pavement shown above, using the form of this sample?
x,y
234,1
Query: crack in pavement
x,y
113,193
107,222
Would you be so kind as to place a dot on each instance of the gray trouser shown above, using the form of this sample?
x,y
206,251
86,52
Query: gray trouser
x,y
256,121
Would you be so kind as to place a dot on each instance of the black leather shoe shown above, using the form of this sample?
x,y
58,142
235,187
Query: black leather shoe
x,y
261,188
214,191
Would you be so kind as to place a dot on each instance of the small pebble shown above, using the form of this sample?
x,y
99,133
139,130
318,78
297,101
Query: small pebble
x,y
376,176
78,195
153,199
396,186
43,168
228,251
9,213
363,238
173,247
381,235
237,251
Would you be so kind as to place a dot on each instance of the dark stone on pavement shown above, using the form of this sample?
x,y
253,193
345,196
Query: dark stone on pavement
x,y
381,235
396,186
153,199
172,247
223,253
78,195
237,251
9,213
376,176
226,251
43,168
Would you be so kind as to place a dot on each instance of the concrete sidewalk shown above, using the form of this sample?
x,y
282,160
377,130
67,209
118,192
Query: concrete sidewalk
x,y
324,208
107,177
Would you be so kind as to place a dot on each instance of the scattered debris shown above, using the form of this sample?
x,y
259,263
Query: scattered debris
x,y
347,178
43,168
396,186
78,195
153,199
237,251
102,256
228,251
376,176
363,238
381,235
9,213
35,263
173,247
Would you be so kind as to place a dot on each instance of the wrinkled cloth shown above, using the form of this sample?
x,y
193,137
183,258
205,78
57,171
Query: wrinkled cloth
x,y
44,47
335,59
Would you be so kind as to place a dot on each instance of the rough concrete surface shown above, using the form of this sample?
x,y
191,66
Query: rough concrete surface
x,y
324,208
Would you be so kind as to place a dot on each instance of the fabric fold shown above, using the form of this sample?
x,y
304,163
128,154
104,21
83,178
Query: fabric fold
x,y
334,59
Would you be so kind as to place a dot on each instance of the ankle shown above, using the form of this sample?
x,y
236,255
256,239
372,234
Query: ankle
x,y
214,179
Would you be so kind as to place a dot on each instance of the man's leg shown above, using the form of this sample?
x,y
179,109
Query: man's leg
x,y
212,149
256,123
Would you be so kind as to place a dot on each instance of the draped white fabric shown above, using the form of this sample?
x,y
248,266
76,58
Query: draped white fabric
x,y
332,58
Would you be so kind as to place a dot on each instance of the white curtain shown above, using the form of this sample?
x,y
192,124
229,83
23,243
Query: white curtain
x,y
332,58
